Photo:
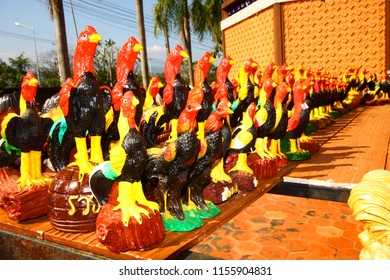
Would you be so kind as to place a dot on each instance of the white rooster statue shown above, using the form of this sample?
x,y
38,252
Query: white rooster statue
x,y
370,202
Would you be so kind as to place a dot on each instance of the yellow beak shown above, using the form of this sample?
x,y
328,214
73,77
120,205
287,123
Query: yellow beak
x,y
212,59
137,48
135,101
95,38
184,54
232,62
33,82
160,85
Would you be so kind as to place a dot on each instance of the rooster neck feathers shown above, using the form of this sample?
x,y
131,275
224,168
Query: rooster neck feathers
x,y
85,51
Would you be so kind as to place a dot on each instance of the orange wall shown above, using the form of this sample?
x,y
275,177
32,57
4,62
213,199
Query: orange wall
x,y
318,34
335,34
251,38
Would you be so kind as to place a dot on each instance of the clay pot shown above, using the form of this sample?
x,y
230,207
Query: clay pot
x,y
71,204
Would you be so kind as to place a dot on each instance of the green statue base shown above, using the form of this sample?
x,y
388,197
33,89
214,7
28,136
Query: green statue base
x,y
298,155
190,222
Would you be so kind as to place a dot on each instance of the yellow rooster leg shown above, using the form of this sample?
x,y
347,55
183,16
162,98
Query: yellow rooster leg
x,y
266,150
167,214
141,199
25,173
273,147
36,168
293,146
218,173
82,159
241,164
173,134
259,149
200,133
127,203
96,150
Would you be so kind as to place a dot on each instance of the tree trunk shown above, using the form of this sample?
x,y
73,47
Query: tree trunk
x,y
61,41
142,37
187,41
166,36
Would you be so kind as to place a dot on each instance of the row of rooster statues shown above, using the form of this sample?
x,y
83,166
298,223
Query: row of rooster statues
x,y
161,158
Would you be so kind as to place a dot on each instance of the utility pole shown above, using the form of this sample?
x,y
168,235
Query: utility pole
x,y
150,64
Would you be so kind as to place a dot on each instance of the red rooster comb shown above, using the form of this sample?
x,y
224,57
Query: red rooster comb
x,y
29,87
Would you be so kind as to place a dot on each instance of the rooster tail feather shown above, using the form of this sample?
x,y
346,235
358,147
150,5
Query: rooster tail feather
x,y
101,181
60,145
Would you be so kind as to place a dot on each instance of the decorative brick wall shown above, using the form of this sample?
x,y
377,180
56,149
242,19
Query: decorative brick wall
x,y
318,34
335,34
251,38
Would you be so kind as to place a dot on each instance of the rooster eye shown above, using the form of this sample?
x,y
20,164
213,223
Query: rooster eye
x,y
125,101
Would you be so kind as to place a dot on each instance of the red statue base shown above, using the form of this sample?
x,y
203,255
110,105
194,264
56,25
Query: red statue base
x,y
244,181
310,145
21,204
71,204
117,237
219,192
281,161
262,168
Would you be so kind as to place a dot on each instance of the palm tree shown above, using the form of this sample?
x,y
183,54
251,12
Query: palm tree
x,y
175,13
163,21
57,13
214,11
201,16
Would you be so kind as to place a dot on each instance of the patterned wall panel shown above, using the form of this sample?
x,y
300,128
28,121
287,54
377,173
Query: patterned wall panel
x,y
335,34
252,37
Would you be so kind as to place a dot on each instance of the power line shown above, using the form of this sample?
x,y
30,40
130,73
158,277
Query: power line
x,y
119,16
26,37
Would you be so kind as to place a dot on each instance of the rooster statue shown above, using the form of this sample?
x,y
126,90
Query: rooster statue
x,y
28,133
128,159
246,90
153,97
202,92
265,119
212,147
171,166
224,87
175,92
221,186
9,103
243,141
299,120
279,130
81,102
125,80
370,202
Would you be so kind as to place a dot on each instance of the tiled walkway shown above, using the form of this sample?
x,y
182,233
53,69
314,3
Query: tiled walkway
x,y
279,227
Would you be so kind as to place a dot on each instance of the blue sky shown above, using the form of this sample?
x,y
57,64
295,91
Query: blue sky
x,y
113,19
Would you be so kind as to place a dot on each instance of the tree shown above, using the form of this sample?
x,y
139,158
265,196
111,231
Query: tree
x,y
142,37
57,13
212,23
163,21
49,69
105,62
11,74
201,17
